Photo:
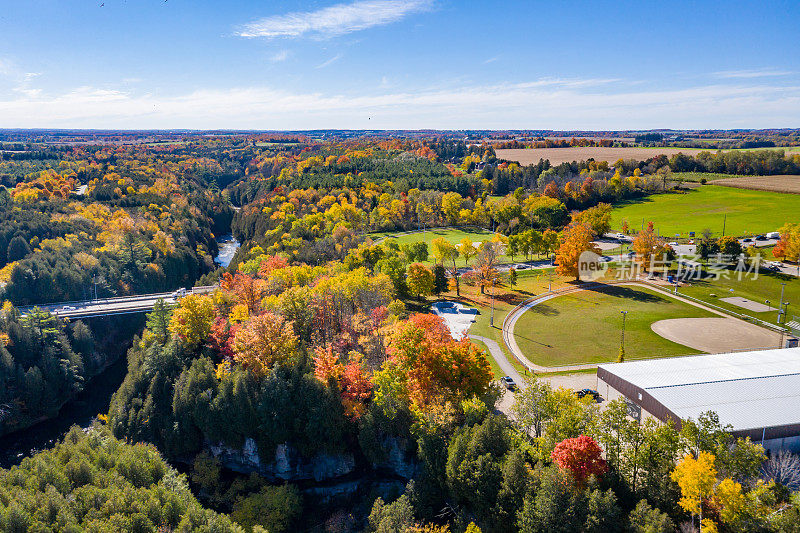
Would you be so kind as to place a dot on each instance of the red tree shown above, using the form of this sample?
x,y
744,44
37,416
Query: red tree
x,y
580,456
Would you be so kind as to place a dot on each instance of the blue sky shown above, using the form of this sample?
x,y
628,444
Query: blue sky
x,y
399,64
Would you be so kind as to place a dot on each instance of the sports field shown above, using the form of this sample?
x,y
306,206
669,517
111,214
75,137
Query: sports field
x,y
585,326
767,286
748,212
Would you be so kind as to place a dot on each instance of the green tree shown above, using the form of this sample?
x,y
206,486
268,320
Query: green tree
x,y
274,508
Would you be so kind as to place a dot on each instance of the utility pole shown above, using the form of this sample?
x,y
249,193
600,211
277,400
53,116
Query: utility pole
x,y
724,222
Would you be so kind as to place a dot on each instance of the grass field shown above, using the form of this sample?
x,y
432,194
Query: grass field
x,y
697,176
585,327
748,212
453,235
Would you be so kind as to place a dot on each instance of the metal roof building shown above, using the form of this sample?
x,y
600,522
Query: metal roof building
x,y
756,393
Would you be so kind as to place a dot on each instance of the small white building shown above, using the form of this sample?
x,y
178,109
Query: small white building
x,y
756,393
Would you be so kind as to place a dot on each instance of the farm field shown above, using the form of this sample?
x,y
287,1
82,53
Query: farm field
x,y
585,327
748,211
527,156
779,183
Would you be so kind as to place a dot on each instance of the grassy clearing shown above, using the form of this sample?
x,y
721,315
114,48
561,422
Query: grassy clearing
x,y
453,235
748,212
585,327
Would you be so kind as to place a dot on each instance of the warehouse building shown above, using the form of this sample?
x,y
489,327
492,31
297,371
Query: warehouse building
x,y
756,393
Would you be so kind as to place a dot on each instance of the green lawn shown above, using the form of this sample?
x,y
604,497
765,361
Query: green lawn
x,y
585,327
453,235
748,212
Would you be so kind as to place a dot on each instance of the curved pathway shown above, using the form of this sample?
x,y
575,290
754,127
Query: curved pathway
x,y
512,317
497,353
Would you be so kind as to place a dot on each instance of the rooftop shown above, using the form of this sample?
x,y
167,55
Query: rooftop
x,y
748,390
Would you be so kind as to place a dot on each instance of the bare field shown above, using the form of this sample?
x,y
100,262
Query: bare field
x,y
527,156
781,183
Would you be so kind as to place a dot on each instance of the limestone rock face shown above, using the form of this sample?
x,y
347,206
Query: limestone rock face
x,y
286,465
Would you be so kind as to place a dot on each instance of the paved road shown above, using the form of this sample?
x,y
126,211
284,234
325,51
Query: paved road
x,y
497,353
113,306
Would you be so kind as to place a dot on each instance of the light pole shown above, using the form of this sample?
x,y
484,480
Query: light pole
x,y
491,319
622,338
780,307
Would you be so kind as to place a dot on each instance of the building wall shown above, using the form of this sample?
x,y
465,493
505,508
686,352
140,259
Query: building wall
x,y
791,442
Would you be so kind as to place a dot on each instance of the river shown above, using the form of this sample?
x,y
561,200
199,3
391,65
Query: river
x,y
227,248
81,410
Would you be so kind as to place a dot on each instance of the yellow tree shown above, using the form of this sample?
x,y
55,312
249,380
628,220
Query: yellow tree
x,y
451,206
193,318
467,249
446,254
263,341
577,239
419,279
696,479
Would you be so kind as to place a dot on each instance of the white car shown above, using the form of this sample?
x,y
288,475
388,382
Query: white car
x,y
773,235
673,244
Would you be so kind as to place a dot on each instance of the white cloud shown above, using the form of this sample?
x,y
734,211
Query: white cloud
x,y
329,62
335,20
749,74
279,56
551,104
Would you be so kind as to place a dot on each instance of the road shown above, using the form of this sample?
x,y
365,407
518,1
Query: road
x,y
113,306
497,353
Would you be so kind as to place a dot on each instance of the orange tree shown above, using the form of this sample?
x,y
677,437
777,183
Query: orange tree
x,y
437,368
577,239
649,247
262,341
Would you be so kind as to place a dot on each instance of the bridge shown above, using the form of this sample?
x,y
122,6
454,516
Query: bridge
x,y
115,306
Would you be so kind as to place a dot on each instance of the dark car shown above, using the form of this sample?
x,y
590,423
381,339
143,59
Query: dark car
x,y
588,392
762,238
509,383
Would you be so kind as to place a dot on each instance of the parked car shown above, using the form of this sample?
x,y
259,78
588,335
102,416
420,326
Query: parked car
x,y
631,254
521,266
773,235
761,238
673,244
588,392
748,239
606,258
68,308
509,383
